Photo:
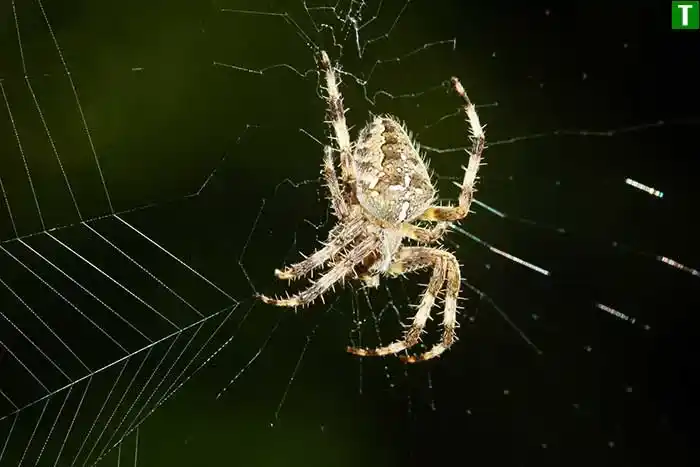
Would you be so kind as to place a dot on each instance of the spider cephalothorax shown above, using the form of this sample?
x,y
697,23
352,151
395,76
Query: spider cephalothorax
x,y
383,189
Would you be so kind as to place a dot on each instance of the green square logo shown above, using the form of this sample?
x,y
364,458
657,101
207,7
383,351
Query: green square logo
x,y
685,15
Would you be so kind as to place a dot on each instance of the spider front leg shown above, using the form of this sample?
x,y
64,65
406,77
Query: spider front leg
x,y
478,139
413,259
336,115
337,273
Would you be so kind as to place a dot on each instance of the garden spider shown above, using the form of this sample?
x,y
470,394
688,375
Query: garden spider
x,y
383,189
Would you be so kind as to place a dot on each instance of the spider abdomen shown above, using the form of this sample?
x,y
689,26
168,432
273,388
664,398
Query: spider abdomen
x,y
393,183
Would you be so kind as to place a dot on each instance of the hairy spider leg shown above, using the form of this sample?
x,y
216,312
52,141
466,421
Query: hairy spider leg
x,y
338,202
445,269
336,114
423,235
449,317
338,272
338,238
478,138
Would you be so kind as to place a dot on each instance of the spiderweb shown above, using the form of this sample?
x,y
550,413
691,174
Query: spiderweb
x,y
576,259
101,321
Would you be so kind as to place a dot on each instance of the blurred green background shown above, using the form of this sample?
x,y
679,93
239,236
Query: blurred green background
x,y
205,120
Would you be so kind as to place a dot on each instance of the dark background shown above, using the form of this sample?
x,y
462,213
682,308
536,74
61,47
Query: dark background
x,y
576,97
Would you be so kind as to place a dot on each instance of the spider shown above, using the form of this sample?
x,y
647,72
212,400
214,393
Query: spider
x,y
383,190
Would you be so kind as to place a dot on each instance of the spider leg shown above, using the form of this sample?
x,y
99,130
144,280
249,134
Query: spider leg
x,y
338,272
449,317
478,139
340,207
338,238
412,259
336,114
423,235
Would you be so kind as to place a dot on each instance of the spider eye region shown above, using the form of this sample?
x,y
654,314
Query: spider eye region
x,y
393,183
